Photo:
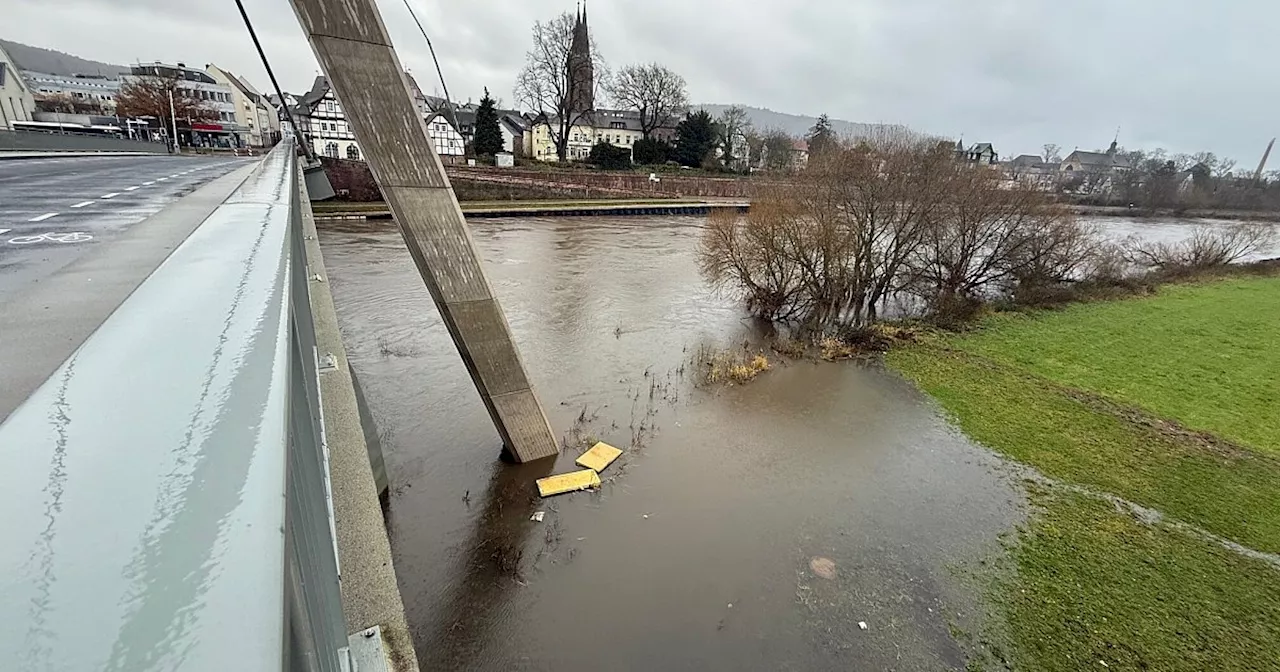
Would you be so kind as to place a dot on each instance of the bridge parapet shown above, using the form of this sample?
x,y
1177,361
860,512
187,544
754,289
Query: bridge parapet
x,y
166,495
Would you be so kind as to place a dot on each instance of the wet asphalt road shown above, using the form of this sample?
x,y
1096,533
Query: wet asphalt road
x,y
53,210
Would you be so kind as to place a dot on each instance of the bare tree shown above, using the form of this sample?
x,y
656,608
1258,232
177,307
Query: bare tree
x,y
149,96
1052,153
545,85
1207,247
1223,170
986,237
775,148
829,249
658,93
733,125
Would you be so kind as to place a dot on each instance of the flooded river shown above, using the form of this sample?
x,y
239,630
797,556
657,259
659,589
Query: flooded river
x,y
712,543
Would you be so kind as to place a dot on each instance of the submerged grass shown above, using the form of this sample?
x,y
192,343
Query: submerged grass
x,y
1168,402
734,366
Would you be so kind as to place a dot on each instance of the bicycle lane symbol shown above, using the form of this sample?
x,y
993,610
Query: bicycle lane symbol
x,y
52,237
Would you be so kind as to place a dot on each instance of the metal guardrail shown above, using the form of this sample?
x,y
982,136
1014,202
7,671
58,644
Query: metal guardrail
x,y
40,141
165,492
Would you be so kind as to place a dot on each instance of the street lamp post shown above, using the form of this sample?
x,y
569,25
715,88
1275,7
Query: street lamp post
x,y
173,119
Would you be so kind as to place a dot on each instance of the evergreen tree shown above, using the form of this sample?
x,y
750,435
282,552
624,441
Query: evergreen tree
x,y
822,137
609,157
695,138
651,152
488,137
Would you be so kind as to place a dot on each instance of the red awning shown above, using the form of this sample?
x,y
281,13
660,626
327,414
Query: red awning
x,y
206,127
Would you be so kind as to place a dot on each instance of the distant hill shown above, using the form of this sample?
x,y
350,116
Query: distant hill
x,y
57,63
794,124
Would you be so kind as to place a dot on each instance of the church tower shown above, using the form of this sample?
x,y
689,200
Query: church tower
x,y
581,73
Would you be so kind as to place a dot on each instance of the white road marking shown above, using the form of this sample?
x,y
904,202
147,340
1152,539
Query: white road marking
x,y
130,188
43,217
147,184
110,195
4,231
162,179
175,175
81,204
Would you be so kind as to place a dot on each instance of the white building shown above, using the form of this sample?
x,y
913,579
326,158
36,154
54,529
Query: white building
x,y
446,139
324,124
94,90
620,128
16,102
200,85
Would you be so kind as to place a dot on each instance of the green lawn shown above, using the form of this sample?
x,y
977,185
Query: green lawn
x,y
1084,395
1093,585
1207,355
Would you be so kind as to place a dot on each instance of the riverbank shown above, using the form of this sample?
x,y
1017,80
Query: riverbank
x,y
545,208
1194,213
1150,426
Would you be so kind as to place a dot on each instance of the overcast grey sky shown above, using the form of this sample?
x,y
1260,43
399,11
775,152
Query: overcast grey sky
x,y
1186,75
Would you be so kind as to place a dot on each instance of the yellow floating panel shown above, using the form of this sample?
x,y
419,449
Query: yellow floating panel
x,y
600,456
570,482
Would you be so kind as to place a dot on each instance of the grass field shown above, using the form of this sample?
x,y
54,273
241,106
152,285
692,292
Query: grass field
x,y
1169,402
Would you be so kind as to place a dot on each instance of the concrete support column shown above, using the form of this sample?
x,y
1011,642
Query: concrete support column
x,y
352,45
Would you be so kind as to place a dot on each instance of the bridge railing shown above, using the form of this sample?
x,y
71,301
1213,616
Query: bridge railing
x,y
165,493
53,141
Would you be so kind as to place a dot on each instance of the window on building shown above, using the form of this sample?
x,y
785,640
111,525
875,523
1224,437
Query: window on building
x,y
3,72
331,150
328,105
353,152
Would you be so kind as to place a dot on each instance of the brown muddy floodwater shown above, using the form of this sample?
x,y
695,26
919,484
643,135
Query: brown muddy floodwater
x,y
749,527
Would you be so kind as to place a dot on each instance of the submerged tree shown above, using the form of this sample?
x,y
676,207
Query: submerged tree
x,y
892,215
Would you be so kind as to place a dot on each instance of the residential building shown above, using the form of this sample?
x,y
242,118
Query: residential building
x,y
1031,170
89,91
16,101
511,124
248,108
268,115
323,123
982,154
446,139
1096,162
220,131
799,153
620,128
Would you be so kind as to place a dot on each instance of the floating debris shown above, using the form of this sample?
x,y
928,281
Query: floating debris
x,y
862,625
571,482
823,567
599,457
537,516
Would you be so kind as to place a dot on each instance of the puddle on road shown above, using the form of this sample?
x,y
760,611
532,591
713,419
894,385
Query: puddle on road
x,y
730,498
